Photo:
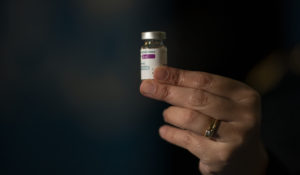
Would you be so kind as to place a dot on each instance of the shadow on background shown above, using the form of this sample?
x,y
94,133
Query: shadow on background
x,y
69,75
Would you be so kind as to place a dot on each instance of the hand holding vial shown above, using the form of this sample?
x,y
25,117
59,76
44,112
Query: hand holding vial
x,y
198,100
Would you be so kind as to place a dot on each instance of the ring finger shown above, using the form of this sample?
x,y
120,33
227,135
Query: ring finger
x,y
197,122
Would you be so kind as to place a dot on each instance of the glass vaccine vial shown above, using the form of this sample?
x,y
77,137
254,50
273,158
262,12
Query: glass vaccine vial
x,y
153,53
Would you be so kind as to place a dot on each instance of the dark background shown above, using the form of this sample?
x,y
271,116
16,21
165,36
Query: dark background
x,y
69,72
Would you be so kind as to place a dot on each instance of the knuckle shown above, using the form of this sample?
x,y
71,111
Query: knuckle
x,y
255,96
198,98
202,80
225,155
175,77
205,169
250,116
252,97
186,140
241,139
247,132
189,117
164,92
250,120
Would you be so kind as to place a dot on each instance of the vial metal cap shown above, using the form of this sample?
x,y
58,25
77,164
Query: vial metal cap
x,y
159,35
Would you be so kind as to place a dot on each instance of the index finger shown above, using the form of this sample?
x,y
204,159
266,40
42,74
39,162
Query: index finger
x,y
212,83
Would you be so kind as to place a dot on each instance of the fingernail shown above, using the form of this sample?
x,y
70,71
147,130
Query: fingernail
x,y
161,74
148,87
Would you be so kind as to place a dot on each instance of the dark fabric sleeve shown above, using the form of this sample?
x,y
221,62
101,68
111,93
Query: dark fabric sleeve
x,y
275,166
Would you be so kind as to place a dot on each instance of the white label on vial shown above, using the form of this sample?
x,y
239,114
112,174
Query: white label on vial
x,y
150,60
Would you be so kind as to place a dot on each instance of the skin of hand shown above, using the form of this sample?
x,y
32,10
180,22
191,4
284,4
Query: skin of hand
x,y
196,99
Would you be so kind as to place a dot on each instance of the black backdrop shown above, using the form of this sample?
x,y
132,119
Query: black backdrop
x,y
70,76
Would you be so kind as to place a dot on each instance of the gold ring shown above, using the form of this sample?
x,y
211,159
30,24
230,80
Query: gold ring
x,y
212,129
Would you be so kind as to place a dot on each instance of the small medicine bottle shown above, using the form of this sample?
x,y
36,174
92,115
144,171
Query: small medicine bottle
x,y
153,53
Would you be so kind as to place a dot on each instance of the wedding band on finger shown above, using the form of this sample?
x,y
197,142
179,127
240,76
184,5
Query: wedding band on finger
x,y
212,129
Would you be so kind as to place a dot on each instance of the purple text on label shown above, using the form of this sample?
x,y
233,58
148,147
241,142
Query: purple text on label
x,y
148,56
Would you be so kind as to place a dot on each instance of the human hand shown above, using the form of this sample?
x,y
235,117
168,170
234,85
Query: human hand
x,y
197,99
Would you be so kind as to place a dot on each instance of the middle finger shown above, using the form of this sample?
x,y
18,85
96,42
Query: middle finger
x,y
217,107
